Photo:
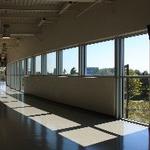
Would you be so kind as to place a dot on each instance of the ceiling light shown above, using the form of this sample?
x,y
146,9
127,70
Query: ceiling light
x,y
6,34
5,37
42,21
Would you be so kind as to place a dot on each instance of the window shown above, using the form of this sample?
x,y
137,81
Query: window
x,y
22,67
136,83
137,54
38,64
22,63
17,75
70,61
100,58
29,66
51,63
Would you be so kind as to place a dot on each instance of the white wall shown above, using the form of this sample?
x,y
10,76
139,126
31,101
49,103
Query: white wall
x,y
97,94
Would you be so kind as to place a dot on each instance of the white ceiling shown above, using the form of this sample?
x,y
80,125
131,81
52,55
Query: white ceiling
x,y
17,13
27,17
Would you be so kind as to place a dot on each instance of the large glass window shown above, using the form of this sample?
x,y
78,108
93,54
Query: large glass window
x,y
137,54
51,63
38,64
22,67
29,66
22,63
100,58
70,61
137,78
17,75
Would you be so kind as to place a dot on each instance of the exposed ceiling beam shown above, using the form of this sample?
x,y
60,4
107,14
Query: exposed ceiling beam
x,y
30,10
23,35
80,1
20,35
26,8
40,7
29,15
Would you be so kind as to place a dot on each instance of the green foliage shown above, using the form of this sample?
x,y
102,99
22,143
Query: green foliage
x,y
139,110
138,88
145,94
134,86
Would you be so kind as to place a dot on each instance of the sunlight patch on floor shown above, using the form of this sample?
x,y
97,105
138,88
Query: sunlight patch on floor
x,y
54,122
121,127
87,136
16,104
30,111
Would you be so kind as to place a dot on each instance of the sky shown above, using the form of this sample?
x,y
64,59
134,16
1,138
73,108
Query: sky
x,y
137,52
51,62
70,60
101,55
38,63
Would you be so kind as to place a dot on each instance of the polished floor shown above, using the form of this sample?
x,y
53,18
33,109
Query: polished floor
x,y
28,122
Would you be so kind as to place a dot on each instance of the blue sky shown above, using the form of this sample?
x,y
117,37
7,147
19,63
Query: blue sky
x,y
102,55
38,64
51,62
70,60
137,53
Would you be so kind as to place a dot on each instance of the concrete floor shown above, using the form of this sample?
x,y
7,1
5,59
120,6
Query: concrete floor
x,y
28,122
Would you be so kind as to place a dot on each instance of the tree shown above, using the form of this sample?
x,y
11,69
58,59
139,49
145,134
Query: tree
x,y
137,72
145,87
134,86
73,71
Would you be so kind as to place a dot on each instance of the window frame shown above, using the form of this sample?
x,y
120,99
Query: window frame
x,y
34,64
51,74
61,62
100,41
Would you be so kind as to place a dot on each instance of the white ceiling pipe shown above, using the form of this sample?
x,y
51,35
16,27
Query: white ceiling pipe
x,y
65,8
88,8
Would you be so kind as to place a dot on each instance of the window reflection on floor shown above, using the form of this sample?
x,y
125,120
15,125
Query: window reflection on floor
x,y
71,130
87,136
54,122
121,127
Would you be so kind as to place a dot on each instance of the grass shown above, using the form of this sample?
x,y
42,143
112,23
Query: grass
x,y
139,111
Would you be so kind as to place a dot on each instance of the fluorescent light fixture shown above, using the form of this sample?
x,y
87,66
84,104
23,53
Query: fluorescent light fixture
x,y
6,34
5,37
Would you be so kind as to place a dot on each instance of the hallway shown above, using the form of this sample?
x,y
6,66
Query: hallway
x,y
28,122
